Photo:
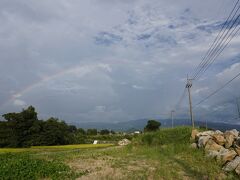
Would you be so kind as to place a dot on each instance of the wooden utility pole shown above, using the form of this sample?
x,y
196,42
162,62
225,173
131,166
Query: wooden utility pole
x,y
238,107
206,125
172,116
188,86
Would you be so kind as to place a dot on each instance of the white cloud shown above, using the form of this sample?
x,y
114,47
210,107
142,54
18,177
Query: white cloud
x,y
229,71
17,95
106,67
71,56
197,91
18,102
100,109
137,87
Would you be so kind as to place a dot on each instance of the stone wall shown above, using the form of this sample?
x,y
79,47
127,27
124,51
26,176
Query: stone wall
x,y
222,146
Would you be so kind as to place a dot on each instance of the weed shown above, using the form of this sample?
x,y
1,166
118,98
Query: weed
x,y
24,166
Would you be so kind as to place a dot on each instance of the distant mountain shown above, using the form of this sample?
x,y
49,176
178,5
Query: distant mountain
x,y
119,126
219,125
141,123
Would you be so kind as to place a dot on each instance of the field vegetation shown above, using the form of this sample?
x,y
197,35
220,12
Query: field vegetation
x,y
24,129
164,154
54,148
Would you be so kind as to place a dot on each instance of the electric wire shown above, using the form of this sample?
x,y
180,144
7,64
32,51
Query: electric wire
x,y
219,52
216,45
213,45
180,100
217,38
228,31
216,91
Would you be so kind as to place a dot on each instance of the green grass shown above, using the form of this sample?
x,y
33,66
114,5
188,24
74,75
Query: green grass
x,y
159,155
165,136
76,146
54,148
14,150
24,166
171,148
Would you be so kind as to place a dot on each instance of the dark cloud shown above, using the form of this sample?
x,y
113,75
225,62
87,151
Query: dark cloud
x,y
111,60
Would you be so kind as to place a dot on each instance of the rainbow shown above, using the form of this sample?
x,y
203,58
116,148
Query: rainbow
x,y
79,71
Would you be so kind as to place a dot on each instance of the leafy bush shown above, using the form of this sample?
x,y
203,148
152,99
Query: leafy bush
x,y
24,129
152,125
104,132
92,132
24,166
165,136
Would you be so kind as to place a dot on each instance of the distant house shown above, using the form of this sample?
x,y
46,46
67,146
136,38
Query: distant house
x,y
137,132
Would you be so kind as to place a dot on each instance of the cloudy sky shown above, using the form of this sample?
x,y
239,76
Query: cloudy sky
x,y
114,60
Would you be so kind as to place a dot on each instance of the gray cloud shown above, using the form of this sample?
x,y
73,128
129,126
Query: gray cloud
x,y
111,60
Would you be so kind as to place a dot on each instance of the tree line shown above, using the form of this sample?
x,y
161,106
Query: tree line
x,y
24,129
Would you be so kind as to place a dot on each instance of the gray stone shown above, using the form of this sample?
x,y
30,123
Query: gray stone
x,y
229,139
237,170
226,155
218,132
232,165
193,145
237,142
203,140
205,133
194,134
235,132
219,138
124,142
211,145
212,154
237,149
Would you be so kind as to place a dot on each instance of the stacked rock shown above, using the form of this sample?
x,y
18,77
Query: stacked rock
x,y
124,142
224,147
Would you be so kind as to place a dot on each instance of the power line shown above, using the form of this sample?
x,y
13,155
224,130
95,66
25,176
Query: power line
x,y
219,36
215,40
228,31
224,37
220,50
216,91
214,48
223,105
181,99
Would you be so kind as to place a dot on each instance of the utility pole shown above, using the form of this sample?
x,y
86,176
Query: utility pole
x,y
206,125
188,86
238,107
172,116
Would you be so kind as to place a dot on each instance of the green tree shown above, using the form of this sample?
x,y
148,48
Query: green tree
x,y
55,132
152,125
81,131
104,132
23,129
7,138
112,132
20,125
92,132
80,136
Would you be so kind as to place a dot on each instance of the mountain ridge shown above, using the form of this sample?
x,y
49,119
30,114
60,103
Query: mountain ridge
x,y
139,124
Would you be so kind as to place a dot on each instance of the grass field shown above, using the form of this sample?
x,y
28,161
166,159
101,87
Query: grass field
x,y
161,155
54,148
